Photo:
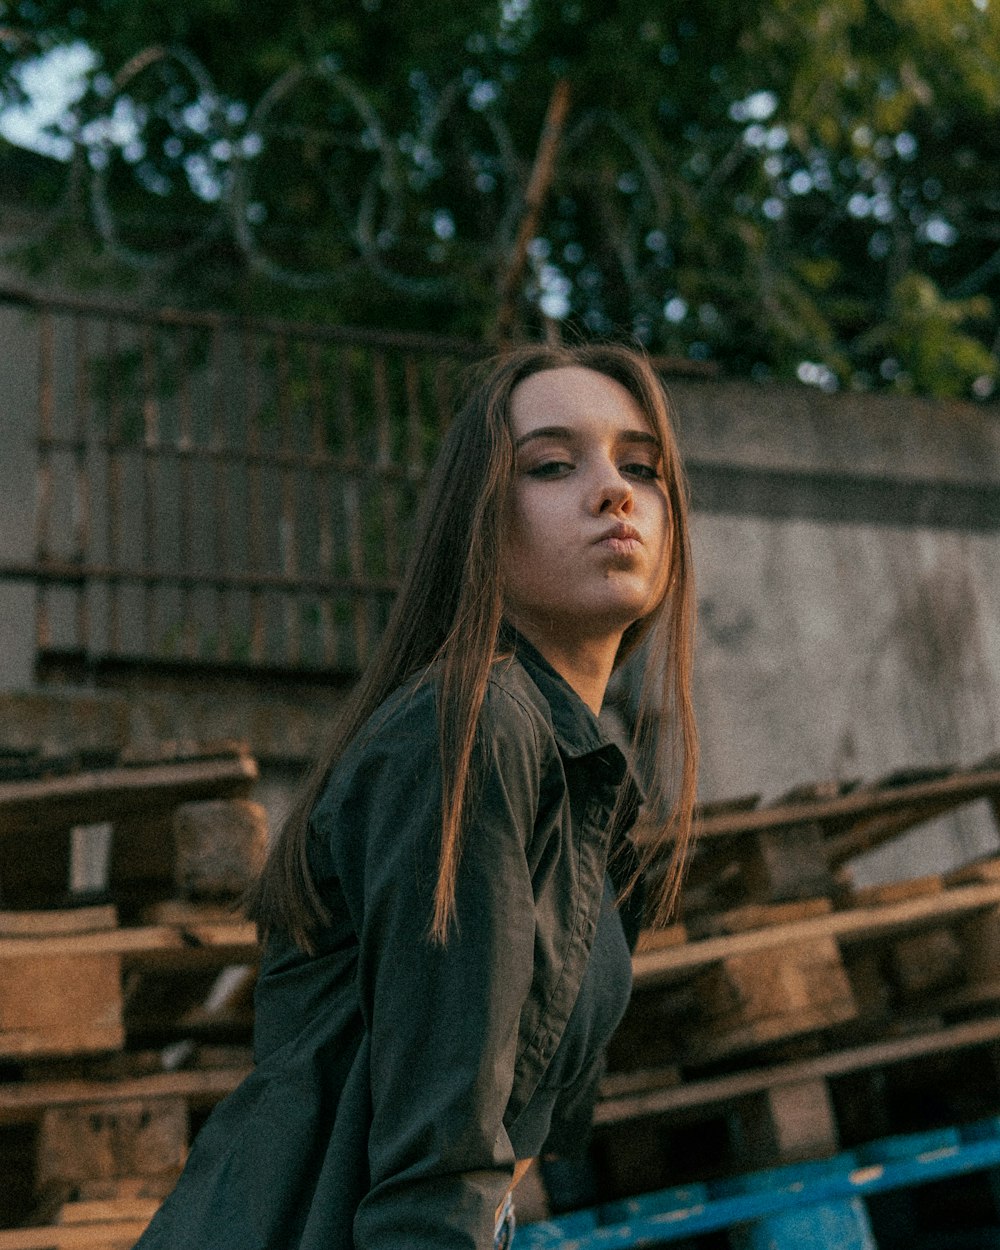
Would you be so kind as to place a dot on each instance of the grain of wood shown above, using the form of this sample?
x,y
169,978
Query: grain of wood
x,y
898,891
748,1000
57,803
114,1235
25,1102
58,1002
49,923
761,916
668,1098
105,1141
860,924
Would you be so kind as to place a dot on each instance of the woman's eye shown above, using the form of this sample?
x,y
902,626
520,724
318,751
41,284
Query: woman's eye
x,y
550,468
645,472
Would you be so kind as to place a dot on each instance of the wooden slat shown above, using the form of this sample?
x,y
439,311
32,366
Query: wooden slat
x,y
322,483
26,1101
82,491
352,514
53,923
414,420
235,942
256,559
186,502
104,1210
963,786
858,924
45,476
670,1097
150,485
289,510
113,491
73,1236
882,826
218,442
387,490
85,798
897,891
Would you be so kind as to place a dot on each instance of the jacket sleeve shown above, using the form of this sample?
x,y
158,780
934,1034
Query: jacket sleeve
x,y
442,1021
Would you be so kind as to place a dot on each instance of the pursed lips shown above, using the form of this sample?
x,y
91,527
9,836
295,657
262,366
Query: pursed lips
x,y
622,539
620,532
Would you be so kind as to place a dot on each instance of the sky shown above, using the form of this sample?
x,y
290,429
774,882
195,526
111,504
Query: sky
x,y
53,83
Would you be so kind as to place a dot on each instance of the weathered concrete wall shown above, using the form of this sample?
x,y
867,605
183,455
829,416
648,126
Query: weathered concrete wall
x,y
848,558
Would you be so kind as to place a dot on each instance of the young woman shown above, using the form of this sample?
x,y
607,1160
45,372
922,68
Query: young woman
x,y
445,958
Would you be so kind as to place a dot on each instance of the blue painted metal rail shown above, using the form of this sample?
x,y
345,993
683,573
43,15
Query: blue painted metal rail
x,y
833,1188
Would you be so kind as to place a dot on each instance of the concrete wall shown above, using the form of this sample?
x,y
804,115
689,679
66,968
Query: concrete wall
x,y
848,558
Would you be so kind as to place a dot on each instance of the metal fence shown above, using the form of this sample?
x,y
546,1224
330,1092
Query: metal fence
x,y
223,491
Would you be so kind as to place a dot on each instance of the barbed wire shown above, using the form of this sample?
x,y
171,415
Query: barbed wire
x,y
390,204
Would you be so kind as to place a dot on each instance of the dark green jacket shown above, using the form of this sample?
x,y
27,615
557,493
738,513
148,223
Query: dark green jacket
x,y
390,1072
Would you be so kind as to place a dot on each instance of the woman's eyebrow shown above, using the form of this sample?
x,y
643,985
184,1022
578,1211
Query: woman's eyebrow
x,y
545,431
565,432
640,436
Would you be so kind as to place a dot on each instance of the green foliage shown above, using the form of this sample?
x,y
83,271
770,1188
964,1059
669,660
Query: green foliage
x,y
780,186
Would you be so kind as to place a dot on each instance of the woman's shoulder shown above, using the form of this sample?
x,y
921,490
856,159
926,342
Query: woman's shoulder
x,y
407,721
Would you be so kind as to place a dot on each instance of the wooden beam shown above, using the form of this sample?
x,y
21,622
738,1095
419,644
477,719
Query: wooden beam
x,y
24,1102
657,967
233,940
74,1236
623,1102
52,803
962,786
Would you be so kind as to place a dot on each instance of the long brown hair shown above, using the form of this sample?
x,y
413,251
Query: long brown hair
x,y
448,614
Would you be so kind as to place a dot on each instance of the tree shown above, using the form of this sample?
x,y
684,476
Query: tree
x,y
790,187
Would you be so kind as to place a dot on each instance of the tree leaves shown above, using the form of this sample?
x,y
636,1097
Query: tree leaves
x,y
766,185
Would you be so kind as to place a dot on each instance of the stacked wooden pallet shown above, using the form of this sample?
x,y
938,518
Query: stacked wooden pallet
x,y
111,974
784,997
778,1002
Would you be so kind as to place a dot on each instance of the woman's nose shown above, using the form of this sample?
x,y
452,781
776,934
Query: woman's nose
x,y
615,493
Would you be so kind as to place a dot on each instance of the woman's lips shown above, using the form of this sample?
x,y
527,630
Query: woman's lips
x,y
622,539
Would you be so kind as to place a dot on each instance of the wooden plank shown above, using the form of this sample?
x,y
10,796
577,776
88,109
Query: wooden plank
x,y
56,1001
962,786
25,1102
235,942
104,1141
786,1124
786,864
104,1210
864,835
898,891
752,1000
987,869
183,913
87,797
760,916
74,1236
723,1090
858,925
55,923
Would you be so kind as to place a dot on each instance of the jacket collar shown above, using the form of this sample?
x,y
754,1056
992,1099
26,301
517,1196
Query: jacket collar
x,y
577,730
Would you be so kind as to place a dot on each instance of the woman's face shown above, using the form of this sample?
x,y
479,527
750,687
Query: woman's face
x,y
588,523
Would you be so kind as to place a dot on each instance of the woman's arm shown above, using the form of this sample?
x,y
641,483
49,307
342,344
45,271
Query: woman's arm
x,y
442,1022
